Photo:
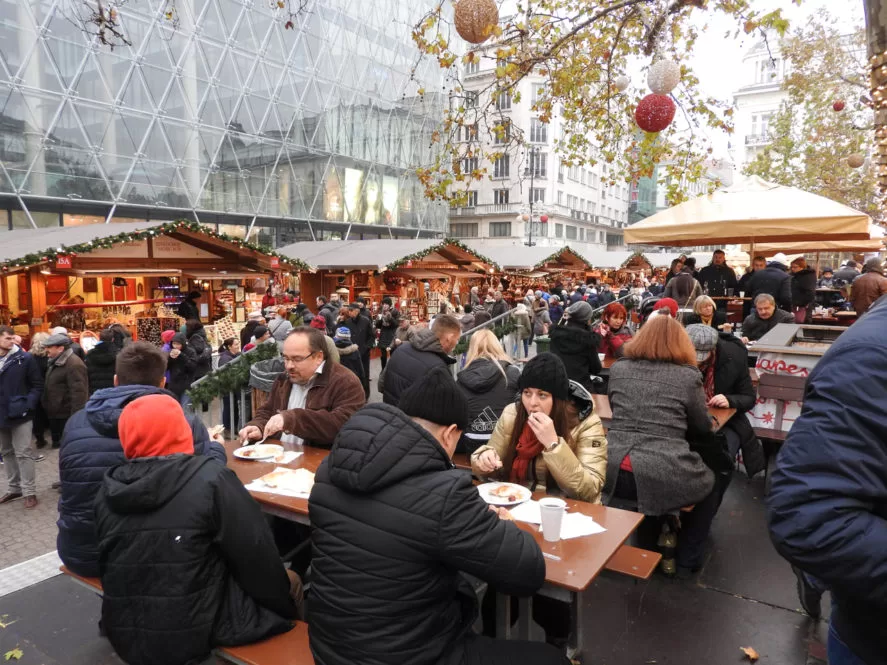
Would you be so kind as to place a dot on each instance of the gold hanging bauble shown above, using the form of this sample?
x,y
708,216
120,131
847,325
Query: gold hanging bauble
x,y
476,19
855,160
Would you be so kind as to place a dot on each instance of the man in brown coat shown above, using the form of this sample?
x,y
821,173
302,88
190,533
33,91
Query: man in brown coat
x,y
66,389
312,400
868,287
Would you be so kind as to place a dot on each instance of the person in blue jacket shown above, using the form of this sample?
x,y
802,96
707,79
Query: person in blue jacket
x,y
21,386
828,501
91,446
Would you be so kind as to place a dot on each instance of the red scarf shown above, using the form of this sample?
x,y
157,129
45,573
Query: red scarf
x,y
708,375
528,448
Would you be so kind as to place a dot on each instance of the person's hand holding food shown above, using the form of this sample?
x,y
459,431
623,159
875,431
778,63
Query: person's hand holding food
x,y
488,461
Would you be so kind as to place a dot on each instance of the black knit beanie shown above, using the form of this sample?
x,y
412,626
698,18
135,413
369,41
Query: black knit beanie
x,y
546,372
436,398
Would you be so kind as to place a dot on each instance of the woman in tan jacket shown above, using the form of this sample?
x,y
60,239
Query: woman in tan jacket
x,y
549,439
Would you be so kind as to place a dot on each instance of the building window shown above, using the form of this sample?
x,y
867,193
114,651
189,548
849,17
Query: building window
x,y
469,164
502,167
537,195
471,201
538,131
582,235
500,229
500,195
467,133
571,232
463,230
503,100
538,92
558,230
470,99
502,136
560,172
537,164
560,198
472,67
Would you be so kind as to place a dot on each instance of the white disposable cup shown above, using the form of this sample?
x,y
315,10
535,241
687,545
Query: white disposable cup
x,y
602,356
742,294
552,511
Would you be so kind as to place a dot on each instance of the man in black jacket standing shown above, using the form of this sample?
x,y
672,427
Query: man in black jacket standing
x,y
717,277
774,280
187,561
393,526
361,328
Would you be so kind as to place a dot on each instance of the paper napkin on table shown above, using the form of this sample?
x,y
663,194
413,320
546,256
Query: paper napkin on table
x,y
528,511
284,481
284,458
576,525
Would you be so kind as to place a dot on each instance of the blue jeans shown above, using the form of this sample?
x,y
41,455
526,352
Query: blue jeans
x,y
838,652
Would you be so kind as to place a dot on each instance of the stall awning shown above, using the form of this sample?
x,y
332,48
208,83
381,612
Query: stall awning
x,y
522,257
612,260
385,254
751,211
127,243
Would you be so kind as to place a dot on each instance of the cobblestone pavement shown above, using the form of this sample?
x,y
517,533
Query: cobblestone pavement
x,y
26,534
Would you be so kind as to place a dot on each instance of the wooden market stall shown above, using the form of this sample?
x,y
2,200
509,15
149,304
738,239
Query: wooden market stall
x,y
524,267
417,274
88,277
623,267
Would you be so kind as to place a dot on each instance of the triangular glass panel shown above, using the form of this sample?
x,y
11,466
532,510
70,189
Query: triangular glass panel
x,y
273,125
134,94
231,11
301,58
210,56
91,84
158,81
245,40
140,187
209,112
274,77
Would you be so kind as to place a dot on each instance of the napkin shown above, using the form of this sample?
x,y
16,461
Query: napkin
x,y
284,458
576,525
527,512
287,482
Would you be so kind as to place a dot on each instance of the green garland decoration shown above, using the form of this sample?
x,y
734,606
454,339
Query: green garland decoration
x,y
498,330
558,254
109,242
231,377
443,243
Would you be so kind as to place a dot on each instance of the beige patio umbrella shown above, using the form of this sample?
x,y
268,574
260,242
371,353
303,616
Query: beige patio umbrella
x,y
751,211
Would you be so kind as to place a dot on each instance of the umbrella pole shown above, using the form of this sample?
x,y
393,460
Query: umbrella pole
x,y
818,259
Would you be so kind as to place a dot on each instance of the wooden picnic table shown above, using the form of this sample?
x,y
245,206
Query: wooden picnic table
x,y
570,565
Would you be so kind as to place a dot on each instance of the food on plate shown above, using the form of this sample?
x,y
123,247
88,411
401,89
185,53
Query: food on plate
x,y
252,452
508,492
294,480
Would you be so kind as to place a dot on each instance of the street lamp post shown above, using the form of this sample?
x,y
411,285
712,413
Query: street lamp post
x,y
533,165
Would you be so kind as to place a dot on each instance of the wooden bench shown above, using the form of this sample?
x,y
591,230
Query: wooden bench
x,y
290,648
782,389
634,562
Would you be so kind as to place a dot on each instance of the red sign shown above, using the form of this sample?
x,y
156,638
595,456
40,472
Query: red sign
x,y
64,261
275,262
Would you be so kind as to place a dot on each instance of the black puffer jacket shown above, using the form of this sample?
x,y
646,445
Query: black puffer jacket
x,y
387,323
182,368
187,562
349,356
489,387
733,382
89,448
803,288
204,353
775,281
413,359
100,363
577,346
392,525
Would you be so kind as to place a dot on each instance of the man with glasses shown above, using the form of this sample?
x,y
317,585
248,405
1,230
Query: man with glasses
x,y
311,401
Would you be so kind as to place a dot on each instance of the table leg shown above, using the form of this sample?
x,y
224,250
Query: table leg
x,y
503,616
575,644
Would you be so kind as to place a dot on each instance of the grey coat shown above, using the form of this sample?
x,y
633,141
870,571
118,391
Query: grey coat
x,y
657,408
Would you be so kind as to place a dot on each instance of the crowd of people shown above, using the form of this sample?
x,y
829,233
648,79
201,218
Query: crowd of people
x,y
148,505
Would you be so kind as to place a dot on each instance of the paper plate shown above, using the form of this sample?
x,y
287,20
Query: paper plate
x,y
262,451
504,494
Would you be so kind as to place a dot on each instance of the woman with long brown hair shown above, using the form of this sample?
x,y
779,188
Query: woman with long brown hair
x,y
548,439
663,454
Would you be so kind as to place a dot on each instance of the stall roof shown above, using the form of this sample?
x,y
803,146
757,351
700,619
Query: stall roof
x,y
616,259
29,247
522,257
378,254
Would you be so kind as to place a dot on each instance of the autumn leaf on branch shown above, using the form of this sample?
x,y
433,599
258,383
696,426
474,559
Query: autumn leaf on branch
x,y
581,50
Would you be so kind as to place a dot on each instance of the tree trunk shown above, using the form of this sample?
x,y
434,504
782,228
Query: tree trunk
x,y
876,26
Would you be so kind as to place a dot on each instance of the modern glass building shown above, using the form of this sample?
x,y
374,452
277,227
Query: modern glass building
x,y
219,111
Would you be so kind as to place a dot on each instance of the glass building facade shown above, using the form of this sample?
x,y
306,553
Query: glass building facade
x,y
222,113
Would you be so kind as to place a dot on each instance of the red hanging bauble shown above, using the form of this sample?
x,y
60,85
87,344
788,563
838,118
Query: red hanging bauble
x,y
654,113
838,105
543,219
409,264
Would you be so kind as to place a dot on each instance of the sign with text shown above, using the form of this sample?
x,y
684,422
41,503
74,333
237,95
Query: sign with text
x,y
64,262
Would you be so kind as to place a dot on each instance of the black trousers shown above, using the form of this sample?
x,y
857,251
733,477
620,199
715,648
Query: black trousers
x,y
383,356
695,525
56,429
365,361
480,650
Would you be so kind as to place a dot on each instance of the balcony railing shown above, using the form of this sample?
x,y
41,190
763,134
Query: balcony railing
x,y
758,139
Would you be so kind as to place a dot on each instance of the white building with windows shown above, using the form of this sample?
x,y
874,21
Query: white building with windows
x,y
758,99
581,211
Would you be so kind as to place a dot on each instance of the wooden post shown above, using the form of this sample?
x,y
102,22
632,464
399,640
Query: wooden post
x,y
37,290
